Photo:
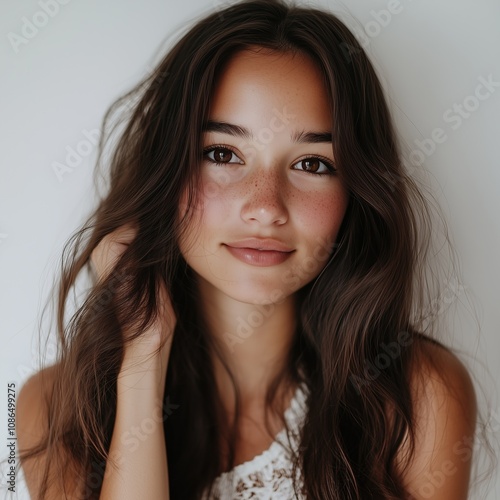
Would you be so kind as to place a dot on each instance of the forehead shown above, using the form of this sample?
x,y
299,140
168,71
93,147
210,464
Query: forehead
x,y
257,83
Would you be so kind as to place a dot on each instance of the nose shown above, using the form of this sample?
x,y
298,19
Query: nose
x,y
265,200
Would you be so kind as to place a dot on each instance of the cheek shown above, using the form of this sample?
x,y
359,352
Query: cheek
x,y
220,194
322,214
211,208
319,219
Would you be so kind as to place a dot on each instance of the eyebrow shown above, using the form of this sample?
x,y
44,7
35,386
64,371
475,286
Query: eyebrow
x,y
238,131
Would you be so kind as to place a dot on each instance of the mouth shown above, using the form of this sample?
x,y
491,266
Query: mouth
x,y
259,256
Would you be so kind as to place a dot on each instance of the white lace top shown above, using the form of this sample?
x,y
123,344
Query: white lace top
x,y
267,476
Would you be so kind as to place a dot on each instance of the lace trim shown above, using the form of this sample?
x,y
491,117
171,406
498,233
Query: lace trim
x,y
270,471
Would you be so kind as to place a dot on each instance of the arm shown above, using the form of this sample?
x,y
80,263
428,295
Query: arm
x,y
137,458
137,467
445,416
131,471
137,463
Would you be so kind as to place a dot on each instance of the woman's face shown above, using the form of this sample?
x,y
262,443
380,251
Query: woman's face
x,y
269,212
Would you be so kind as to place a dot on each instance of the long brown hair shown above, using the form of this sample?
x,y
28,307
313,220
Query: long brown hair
x,y
359,322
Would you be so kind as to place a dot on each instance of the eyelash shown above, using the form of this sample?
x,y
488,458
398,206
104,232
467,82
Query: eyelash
x,y
331,169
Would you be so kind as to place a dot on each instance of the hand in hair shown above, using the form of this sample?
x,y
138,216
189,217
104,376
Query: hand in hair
x,y
142,472
157,338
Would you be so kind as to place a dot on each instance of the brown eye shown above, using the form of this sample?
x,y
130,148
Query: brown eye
x,y
220,154
316,166
311,165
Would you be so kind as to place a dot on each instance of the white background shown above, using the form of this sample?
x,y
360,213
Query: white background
x,y
431,56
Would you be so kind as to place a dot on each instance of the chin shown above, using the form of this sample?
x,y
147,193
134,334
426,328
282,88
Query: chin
x,y
271,291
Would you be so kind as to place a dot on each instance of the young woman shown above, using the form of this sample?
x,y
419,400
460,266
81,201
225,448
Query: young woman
x,y
257,327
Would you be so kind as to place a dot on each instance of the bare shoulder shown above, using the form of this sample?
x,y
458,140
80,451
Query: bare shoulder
x,y
32,428
32,402
445,410
440,380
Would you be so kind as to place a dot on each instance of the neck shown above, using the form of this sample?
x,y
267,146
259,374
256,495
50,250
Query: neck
x,y
255,341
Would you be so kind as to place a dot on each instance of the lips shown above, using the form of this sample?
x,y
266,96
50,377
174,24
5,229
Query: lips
x,y
261,244
260,252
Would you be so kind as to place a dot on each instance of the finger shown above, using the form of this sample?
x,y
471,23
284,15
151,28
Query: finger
x,y
106,254
124,234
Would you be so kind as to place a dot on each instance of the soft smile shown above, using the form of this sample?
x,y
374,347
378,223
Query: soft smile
x,y
259,257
